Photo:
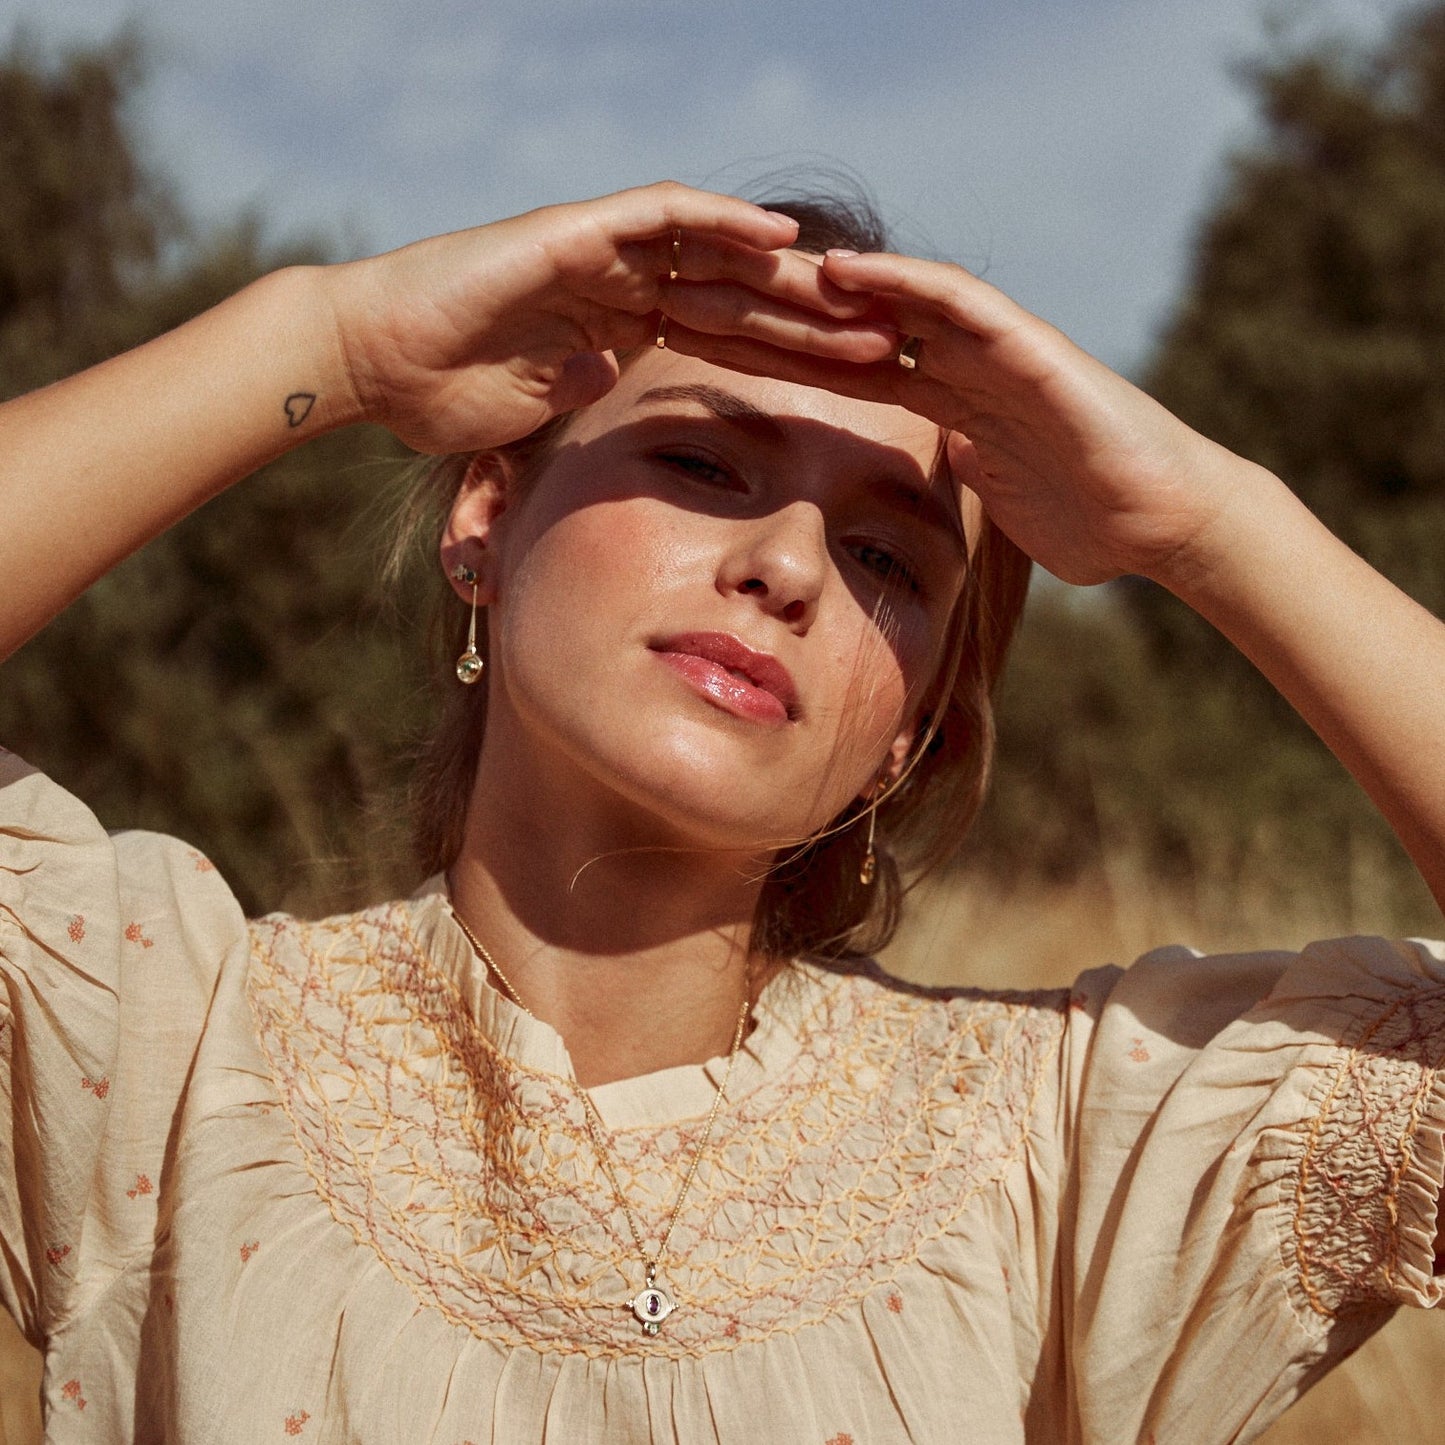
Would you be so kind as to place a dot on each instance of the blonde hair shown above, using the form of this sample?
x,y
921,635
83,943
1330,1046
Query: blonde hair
x,y
812,901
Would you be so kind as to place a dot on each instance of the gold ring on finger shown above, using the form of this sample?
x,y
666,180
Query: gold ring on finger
x,y
660,341
908,353
672,271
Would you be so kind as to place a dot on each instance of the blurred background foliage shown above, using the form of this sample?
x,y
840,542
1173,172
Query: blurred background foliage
x,y
244,682
239,682
1310,338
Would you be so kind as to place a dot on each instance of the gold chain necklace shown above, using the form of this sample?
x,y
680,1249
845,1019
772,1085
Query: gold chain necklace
x,y
652,1303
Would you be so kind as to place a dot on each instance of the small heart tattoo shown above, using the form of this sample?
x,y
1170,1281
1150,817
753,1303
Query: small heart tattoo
x,y
298,407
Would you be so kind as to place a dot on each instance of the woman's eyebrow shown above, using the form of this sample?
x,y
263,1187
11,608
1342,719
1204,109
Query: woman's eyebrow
x,y
722,404
923,504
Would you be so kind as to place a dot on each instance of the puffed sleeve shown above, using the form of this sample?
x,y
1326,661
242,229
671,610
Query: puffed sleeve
x,y
110,950
1256,1170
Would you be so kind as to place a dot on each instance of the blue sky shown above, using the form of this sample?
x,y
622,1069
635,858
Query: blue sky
x,y
1067,150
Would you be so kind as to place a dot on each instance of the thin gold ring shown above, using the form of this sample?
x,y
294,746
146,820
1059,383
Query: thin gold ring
x,y
661,339
908,353
672,271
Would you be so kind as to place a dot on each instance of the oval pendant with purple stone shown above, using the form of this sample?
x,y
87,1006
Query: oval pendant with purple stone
x,y
652,1305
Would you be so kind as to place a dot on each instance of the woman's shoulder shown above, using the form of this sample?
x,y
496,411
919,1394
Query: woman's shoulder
x,y
68,887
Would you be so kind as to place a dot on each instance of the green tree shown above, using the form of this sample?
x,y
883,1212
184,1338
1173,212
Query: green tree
x,y
234,682
1311,338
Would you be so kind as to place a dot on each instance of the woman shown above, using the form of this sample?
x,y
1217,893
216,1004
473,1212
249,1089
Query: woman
x,y
577,1143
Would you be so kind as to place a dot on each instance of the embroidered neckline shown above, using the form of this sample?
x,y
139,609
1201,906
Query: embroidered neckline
x,y
872,1117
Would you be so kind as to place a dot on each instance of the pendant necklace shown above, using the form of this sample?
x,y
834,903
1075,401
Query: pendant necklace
x,y
652,1303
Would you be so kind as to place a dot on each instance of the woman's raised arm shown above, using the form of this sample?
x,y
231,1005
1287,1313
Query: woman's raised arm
x,y
458,343
1094,479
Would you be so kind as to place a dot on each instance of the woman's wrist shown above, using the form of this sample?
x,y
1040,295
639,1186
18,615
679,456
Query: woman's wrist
x,y
300,308
1253,513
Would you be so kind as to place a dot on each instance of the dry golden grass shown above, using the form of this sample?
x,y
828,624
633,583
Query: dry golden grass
x,y
970,933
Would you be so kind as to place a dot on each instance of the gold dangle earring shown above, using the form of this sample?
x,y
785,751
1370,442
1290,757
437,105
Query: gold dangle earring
x,y
469,664
868,869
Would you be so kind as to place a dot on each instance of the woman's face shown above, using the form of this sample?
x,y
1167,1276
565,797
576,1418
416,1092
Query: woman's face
x,y
719,603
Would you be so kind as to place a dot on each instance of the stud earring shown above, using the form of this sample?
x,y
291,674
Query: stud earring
x,y
469,664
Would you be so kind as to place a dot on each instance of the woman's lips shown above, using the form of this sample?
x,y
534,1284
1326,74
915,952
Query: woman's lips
x,y
731,676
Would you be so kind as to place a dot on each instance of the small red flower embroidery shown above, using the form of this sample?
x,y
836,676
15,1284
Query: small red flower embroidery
x,y
730,1330
247,1250
294,1423
134,935
76,930
99,1087
895,1302
142,1186
839,1439
203,864
56,1253
71,1391
1139,1053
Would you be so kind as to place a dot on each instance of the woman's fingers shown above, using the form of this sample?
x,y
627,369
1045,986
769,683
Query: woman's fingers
x,y
648,212
853,369
789,275
726,309
927,297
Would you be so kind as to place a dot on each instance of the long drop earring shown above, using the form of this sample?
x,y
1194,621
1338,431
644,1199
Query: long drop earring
x,y
868,869
469,664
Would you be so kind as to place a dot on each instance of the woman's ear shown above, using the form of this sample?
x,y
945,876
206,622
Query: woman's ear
x,y
469,537
898,752
894,762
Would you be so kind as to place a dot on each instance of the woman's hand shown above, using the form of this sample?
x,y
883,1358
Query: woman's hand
x,y
1091,477
475,339
1094,479
459,343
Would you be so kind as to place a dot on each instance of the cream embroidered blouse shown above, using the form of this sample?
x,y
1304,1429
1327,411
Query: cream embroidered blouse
x,y
318,1180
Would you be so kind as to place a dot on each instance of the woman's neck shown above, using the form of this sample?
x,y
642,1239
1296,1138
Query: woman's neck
x,y
638,956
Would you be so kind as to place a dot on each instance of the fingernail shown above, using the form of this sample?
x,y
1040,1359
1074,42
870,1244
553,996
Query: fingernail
x,y
779,216
840,251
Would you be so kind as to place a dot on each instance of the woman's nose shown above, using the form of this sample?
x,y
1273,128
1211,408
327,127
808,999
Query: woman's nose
x,y
782,562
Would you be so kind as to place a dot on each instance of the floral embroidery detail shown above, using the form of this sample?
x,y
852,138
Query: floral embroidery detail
x,y
894,1301
1139,1053
134,934
296,1421
247,1250
841,1438
76,928
56,1253
397,1098
203,864
99,1087
142,1186
1358,1150
70,1390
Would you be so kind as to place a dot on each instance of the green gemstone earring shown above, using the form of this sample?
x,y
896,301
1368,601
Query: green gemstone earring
x,y
469,664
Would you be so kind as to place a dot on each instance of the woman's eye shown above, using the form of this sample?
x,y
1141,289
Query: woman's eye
x,y
703,469
888,565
